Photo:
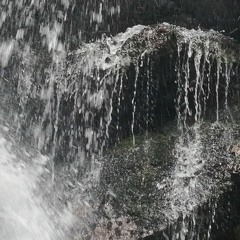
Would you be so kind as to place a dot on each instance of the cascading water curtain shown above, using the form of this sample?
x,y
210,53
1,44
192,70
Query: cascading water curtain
x,y
204,71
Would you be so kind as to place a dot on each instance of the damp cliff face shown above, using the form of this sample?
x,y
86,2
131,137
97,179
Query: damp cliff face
x,y
76,105
86,20
72,89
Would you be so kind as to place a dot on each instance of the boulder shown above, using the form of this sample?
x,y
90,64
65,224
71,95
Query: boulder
x,y
142,76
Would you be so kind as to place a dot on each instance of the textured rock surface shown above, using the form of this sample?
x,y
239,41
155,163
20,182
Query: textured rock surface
x,y
86,20
76,100
91,91
138,186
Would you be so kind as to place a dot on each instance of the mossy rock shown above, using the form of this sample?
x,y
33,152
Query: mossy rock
x,y
132,172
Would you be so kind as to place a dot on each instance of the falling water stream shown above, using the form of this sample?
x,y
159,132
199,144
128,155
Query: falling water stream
x,y
23,214
63,106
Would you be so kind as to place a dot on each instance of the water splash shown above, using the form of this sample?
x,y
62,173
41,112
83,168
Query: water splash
x,y
197,83
23,215
65,100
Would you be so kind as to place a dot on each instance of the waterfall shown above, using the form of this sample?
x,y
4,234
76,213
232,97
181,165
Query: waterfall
x,y
190,185
71,93
23,214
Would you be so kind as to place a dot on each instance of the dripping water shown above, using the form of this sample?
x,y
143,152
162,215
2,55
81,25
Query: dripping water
x,y
74,99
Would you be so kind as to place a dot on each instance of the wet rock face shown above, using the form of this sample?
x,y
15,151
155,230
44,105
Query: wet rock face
x,y
119,86
81,102
95,86
188,13
216,15
130,179
219,15
138,186
87,20
227,213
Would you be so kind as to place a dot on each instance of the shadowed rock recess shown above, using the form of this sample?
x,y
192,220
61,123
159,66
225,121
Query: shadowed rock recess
x,y
139,117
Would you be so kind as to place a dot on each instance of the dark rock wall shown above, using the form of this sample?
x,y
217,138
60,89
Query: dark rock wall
x,y
86,20
154,101
217,14
114,104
